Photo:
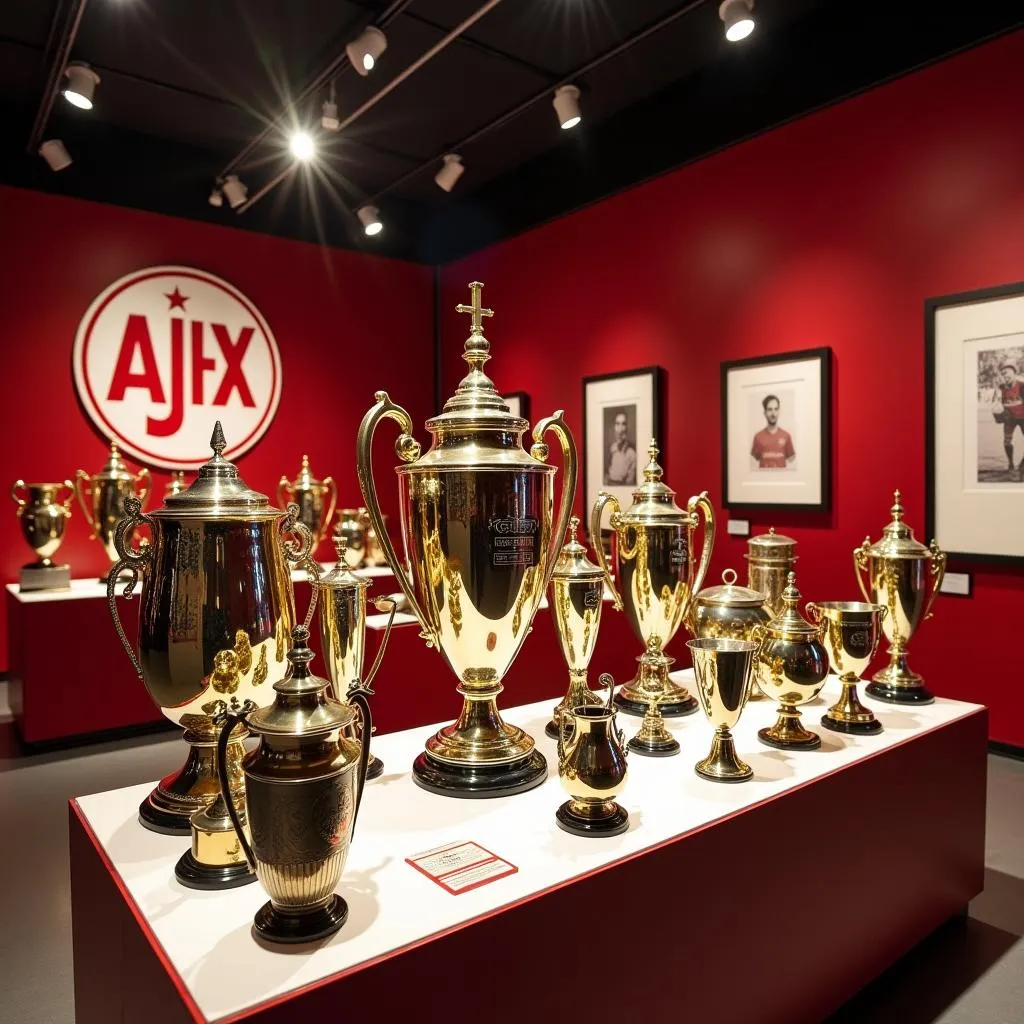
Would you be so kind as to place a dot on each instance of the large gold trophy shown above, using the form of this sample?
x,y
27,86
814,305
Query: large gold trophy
x,y
898,568
657,575
216,612
477,519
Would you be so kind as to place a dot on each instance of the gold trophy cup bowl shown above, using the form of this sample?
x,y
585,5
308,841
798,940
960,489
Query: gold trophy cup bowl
x,y
791,667
481,538
316,499
657,573
852,632
592,769
894,572
43,517
723,669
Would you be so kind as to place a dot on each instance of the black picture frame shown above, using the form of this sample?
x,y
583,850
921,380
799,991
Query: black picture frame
x,y
524,402
657,382
932,306
824,356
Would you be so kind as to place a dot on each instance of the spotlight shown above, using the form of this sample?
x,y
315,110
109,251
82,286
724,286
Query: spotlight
x,y
329,121
738,16
81,84
302,146
216,197
567,106
364,51
450,172
369,217
54,152
235,191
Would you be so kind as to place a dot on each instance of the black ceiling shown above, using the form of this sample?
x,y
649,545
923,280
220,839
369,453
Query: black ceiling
x,y
188,85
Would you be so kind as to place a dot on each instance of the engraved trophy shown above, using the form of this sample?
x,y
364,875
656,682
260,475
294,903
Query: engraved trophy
x,y
310,495
42,518
481,538
771,557
898,568
653,545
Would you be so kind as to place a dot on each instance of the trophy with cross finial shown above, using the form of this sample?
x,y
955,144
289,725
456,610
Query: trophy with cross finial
x,y
481,538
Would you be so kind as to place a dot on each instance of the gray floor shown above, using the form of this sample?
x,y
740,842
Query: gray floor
x,y
969,972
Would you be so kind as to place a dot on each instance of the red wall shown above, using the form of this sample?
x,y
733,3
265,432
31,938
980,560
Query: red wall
x,y
829,231
334,314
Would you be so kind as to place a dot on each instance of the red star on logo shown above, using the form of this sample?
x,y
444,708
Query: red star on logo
x,y
176,299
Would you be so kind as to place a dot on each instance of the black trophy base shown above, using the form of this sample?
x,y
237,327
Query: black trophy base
x,y
673,709
375,769
479,782
812,742
900,694
276,926
165,822
195,875
869,728
656,748
592,828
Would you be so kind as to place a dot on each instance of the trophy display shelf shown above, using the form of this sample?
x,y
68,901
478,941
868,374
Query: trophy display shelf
x,y
192,957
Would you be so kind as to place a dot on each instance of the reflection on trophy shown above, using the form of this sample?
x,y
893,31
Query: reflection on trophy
x,y
592,769
653,739
103,494
481,538
343,633
577,587
723,669
43,519
852,632
654,558
216,610
351,527
309,493
374,552
896,567
176,484
771,557
791,667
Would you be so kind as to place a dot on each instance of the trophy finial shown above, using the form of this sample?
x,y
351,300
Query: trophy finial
x,y
791,595
299,654
114,450
478,348
771,531
340,544
305,462
217,442
574,525
652,471
897,506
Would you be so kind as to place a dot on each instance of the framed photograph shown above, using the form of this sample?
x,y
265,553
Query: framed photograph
x,y
621,413
777,431
974,365
519,403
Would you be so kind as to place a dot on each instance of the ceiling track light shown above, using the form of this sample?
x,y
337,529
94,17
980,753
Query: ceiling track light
x,y
567,106
216,197
55,153
369,217
235,191
450,171
329,119
364,51
81,85
738,16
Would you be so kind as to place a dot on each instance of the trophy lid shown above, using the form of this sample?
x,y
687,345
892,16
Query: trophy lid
x,y
772,545
789,624
301,707
897,540
114,468
654,501
730,595
306,480
341,577
218,488
573,563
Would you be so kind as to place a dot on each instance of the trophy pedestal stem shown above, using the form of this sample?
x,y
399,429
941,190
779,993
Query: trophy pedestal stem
x,y
578,695
276,925
653,739
788,733
897,684
216,860
592,820
675,700
722,764
44,576
848,714
194,786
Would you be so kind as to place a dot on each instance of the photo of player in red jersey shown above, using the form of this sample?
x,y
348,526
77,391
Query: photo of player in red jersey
x,y
1000,419
772,447
1011,396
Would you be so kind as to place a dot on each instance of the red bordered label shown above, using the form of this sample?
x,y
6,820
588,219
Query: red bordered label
x,y
461,867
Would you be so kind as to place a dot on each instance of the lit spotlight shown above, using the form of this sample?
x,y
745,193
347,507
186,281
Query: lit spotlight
x,y
302,146
450,172
81,85
738,16
567,106
364,51
235,191
55,153
369,217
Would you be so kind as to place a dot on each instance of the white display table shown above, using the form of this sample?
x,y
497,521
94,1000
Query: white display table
x,y
859,802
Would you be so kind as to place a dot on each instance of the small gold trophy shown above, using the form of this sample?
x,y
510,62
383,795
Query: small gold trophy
x,y
898,569
723,669
176,484
43,517
577,587
309,493
771,557
351,528
852,632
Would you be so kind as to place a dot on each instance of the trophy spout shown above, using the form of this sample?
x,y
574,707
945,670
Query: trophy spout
x,y
603,499
540,451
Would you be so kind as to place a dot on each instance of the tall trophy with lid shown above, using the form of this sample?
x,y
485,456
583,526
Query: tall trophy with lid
x,y
898,569
481,537
216,612
658,576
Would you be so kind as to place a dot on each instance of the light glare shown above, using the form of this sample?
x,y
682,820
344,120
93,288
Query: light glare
x,y
302,146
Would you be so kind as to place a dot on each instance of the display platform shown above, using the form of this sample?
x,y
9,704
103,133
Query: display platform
x,y
770,901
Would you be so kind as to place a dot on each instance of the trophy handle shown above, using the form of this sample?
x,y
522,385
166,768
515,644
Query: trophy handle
x,y
143,484
539,450
360,697
297,552
283,488
70,488
83,486
18,485
604,498
703,502
325,522
230,720
562,757
938,574
407,448
381,604
131,559
860,567
605,679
